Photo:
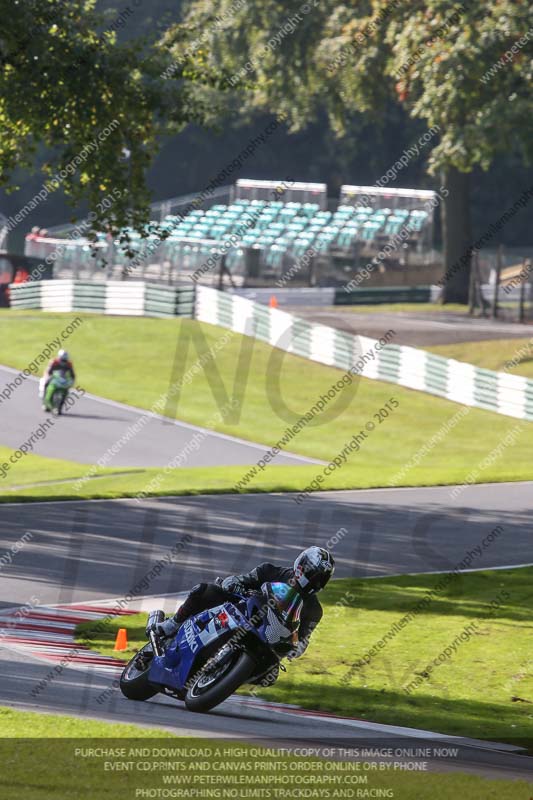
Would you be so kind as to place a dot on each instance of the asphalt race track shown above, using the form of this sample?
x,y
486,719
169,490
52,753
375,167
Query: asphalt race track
x,y
86,431
417,329
75,692
85,550
81,551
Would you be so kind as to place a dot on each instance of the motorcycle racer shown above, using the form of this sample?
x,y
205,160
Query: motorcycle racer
x,y
310,573
60,362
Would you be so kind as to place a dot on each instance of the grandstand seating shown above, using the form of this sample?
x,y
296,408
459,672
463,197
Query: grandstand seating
x,y
275,227
278,228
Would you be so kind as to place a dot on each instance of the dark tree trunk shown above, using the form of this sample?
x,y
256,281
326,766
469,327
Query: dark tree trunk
x,y
456,237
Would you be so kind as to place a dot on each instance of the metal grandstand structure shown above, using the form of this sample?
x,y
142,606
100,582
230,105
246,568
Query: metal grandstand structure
x,y
288,190
389,209
4,228
258,233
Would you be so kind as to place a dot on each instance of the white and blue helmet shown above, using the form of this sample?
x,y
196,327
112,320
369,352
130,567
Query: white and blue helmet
x,y
312,569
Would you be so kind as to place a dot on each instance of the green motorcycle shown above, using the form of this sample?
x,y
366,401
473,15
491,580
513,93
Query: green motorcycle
x,y
57,391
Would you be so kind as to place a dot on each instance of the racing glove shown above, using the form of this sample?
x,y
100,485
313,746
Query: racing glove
x,y
300,645
233,584
167,628
297,651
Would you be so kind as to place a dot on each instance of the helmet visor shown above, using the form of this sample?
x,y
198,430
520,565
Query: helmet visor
x,y
286,601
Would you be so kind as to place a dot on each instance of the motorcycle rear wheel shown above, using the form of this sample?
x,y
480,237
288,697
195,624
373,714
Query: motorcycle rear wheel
x,y
205,694
134,682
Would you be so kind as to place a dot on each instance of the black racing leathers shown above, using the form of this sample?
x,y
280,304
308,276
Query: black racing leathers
x,y
206,595
270,573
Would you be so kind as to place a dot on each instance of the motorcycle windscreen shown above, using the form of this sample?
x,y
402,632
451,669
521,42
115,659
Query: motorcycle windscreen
x,y
287,603
59,377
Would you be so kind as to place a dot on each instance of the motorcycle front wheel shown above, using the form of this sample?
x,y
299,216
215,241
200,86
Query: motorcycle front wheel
x,y
134,680
57,403
218,679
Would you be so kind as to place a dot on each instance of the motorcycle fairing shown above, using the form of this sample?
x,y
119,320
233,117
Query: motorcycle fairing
x,y
58,381
175,666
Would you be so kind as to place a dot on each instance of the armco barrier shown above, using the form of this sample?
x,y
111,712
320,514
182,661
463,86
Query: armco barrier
x,y
385,294
132,298
30,298
511,395
329,296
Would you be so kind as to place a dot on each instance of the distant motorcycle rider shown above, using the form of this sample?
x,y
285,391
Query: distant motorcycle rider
x,y
310,573
60,362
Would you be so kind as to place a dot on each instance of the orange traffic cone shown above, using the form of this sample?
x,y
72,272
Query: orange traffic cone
x,y
273,302
121,642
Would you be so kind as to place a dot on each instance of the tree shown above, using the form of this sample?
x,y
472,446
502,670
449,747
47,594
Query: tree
x,y
463,68
95,106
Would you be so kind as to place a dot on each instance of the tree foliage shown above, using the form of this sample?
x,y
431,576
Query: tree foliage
x,y
464,68
429,56
96,106
64,78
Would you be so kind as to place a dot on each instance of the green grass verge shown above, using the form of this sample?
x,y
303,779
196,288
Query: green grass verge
x,y
514,356
469,694
47,766
111,355
29,724
35,469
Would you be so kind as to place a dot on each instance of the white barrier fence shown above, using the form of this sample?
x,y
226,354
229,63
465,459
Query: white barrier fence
x,y
126,298
511,395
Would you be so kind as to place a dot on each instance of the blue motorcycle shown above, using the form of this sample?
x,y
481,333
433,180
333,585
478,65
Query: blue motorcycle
x,y
216,651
